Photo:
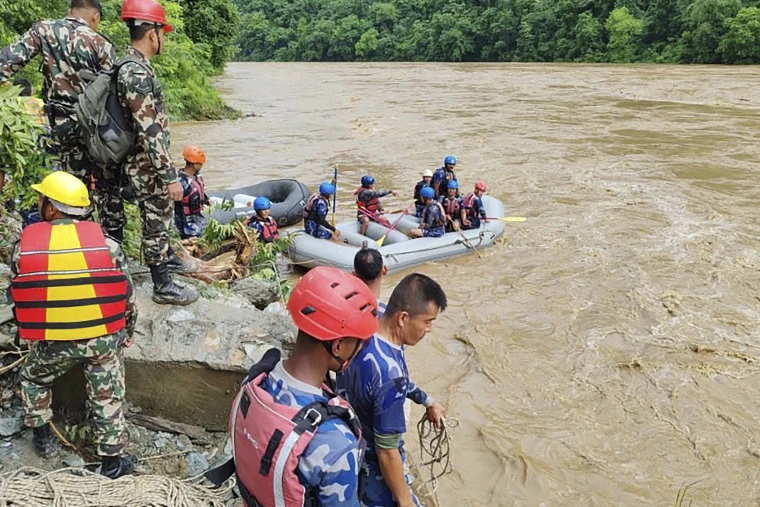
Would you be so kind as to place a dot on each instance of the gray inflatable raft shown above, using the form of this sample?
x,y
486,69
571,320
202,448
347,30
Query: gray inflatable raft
x,y
288,199
399,251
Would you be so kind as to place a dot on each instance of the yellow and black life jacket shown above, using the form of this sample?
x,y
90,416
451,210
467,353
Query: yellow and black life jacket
x,y
67,286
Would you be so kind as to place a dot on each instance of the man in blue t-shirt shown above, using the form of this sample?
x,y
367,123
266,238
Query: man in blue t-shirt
x,y
377,383
369,268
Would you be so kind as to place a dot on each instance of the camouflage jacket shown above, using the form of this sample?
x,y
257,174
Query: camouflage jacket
x,y
140,94
68,47
119,261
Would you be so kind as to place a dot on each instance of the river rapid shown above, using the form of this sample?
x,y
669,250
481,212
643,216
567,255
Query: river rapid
x,y
605,353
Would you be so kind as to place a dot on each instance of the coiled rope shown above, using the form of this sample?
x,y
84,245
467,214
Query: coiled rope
x,y
435,453
74,487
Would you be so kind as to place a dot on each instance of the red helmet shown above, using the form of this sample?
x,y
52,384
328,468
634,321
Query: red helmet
x,y
329,304
480,186
145,10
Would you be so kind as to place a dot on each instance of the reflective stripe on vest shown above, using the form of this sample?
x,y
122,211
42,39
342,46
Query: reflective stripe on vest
x,y
268,439
67,287
371,205
196,187
438,221
268,229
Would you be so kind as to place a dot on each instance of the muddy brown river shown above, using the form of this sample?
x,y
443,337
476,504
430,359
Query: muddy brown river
x,y
604,353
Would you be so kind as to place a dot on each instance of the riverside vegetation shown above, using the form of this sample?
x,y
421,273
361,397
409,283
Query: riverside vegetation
x,y
616,31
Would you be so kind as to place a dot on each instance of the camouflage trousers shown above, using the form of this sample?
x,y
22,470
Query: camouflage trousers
x,y
156,212
104,374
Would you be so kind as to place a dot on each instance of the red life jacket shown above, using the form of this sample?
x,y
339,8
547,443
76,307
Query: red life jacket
x,y
67,286
373,205
268,439
440,221
191,206
451,205
269,231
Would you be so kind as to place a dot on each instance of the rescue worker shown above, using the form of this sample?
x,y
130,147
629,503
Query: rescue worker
x,y
265,225
473,210
335,313
188,213
444,174
66,69
369,268
433,220
75,303
315,213
151,173
452,206
419,203
368,204
377,383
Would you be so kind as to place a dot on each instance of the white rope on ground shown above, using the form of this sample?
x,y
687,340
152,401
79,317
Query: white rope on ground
x,y
75,487
435,453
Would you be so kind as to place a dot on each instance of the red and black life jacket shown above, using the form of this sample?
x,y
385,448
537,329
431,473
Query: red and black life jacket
x,y
469,205
67,286
440,221
192,203
309,211
372,205
268,231
452,206
268,439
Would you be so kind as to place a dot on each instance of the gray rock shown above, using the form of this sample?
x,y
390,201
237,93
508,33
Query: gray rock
x,y
277,308
181,316
228,448
11,422
259,292
161,440
183,442
73,461
196,464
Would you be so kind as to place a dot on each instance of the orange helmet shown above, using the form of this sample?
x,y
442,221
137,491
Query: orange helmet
x,y
194,155
480,186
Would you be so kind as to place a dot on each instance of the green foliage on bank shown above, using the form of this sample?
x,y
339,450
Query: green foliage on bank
x,y
198,49
619,31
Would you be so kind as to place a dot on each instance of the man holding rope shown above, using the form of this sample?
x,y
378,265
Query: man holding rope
x,y
377,383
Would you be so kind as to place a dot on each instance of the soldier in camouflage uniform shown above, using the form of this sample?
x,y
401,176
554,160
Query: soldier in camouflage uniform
x,y
58,343
72,51
150,170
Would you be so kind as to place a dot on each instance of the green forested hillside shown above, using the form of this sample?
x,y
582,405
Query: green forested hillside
x,y
198,49
676,31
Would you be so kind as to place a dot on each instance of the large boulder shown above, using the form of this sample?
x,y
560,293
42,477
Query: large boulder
x,y
260,293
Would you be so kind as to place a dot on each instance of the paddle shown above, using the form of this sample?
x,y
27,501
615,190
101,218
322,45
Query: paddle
x,y
393,225
335,195
466,240
508,219
377,218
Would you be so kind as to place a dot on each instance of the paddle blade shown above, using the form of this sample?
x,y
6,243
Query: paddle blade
x,y
513,219
380,241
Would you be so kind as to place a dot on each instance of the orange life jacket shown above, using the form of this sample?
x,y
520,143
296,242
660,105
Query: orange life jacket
x,y
373,205
67,286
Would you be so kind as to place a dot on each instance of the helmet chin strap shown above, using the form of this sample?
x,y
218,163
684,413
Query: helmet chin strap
x,y
343,362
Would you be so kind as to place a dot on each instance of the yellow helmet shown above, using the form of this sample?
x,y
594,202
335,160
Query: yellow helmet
x,y
64,188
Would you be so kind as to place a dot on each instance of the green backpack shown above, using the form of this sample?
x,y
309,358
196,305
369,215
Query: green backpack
x,y
104,128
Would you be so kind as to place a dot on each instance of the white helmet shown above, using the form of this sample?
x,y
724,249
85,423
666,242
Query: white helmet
x,y
427,173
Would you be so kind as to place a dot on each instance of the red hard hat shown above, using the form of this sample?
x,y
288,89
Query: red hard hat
x,y
479,185
329,304
145,10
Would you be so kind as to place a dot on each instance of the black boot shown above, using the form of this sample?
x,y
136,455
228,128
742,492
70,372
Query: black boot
x,y
45,441
117,234
167,291
114,467
177,265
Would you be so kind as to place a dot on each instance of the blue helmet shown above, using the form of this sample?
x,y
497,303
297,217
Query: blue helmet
x,y
261,203
453,184
326,188
427,193
450,160
367,180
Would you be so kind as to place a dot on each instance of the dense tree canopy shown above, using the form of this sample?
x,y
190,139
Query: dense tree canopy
x,y
677,31
202,42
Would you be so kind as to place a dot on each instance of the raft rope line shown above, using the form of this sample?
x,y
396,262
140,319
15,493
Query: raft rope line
x,y
75,487
435,452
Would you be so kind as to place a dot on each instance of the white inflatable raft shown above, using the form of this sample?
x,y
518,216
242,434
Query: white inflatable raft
x,y
399,251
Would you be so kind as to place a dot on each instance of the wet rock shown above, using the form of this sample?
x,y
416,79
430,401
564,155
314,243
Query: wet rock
x,y
11,422
73,461
260,293
196,464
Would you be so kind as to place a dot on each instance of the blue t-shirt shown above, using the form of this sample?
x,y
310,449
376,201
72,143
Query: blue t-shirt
x,y
330,462
376,383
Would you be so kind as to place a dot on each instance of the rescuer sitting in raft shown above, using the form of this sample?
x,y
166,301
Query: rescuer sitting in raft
x,y
286,402
368,204
315,213
433,221
419,203
265,225
473,210
188,213
74,301
452,206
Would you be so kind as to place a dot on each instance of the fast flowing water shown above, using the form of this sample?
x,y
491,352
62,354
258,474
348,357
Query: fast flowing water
x,y
605,353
